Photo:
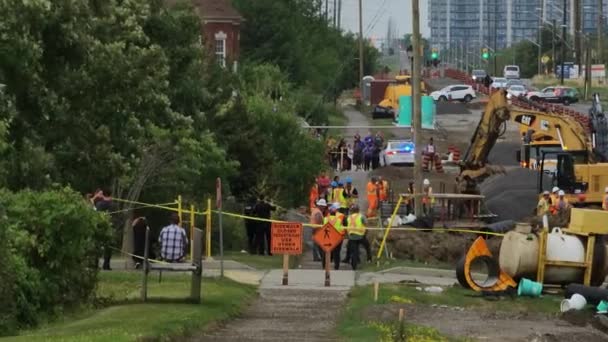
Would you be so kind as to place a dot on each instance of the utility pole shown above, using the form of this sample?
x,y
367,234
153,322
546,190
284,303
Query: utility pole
x,y
577,34
563,52
327,10
553,44
416,110
587,67
495,33
335,9
600,30
540,40
360,45
339,14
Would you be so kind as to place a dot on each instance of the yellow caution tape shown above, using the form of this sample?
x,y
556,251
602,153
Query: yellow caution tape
x,y
154,261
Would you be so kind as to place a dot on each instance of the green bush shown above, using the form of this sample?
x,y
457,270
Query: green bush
x,y
50,244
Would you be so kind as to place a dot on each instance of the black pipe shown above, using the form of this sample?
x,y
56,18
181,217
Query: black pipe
x,y
593,295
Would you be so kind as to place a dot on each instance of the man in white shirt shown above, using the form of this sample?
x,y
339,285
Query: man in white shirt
x,y
173,241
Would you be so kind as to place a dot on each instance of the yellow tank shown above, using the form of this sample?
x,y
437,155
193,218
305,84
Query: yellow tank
x,y
401,87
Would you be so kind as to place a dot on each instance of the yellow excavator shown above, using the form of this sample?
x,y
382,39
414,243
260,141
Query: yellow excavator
x,y
580,153
390,103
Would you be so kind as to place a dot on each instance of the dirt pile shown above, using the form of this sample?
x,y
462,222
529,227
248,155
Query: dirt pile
x,y
433,247
512,196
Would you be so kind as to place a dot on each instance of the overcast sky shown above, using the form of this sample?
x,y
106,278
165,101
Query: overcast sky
x,y
400,10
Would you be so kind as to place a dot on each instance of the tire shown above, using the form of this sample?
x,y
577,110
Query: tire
x,y
535,98
468,98
566,102
442,99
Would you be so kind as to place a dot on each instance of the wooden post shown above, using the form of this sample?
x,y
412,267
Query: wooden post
x,y
208,231
197,260
327,259
401,315
144,281
192,218
376,290
285,269
179,209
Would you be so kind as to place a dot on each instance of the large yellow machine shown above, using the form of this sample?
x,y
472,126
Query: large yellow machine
x,y
579,155
390,103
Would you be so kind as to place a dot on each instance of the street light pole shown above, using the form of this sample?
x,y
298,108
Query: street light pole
x,y
540,43
553,46
563,52
416,110
600,30
360,46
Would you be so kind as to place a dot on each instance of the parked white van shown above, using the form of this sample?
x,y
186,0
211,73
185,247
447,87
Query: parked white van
x,y
511,71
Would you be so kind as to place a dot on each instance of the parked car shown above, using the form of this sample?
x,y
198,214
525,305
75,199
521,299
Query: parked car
x,y
498,83
514,82
563,95
516,90
478,75
398,152
460,92
511,71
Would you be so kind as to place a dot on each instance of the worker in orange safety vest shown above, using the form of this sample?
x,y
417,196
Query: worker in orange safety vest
x,y
372,197
382,189
338,221
317,216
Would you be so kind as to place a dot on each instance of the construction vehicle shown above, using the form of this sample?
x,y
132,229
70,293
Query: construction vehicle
x,y
580,151
390,103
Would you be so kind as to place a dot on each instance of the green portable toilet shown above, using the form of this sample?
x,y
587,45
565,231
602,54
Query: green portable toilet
x,y
428,112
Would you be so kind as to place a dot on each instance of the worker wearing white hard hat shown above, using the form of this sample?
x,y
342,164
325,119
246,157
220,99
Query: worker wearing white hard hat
x,y
554,195
605,200
427,197
543,204
316,218
561,204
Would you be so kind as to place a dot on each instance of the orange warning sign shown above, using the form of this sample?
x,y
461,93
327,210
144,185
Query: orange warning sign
x,y
286,238
327,237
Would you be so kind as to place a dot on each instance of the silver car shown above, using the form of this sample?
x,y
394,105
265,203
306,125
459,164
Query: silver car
x,y
398,152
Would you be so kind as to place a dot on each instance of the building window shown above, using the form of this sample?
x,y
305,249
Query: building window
x,y
220,48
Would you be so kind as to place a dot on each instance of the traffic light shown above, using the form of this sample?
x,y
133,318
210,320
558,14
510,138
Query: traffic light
x,y
434,54
485,53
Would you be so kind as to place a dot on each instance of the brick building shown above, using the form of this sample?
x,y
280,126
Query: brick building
x,y
220,25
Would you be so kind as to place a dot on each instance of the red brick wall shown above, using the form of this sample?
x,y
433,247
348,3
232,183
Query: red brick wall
x,y
232,39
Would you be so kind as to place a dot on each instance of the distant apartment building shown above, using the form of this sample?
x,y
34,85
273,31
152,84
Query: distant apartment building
x,y
501,23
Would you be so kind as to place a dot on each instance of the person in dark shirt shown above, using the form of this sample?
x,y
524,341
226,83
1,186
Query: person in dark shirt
x,y
139,226
251,226
103,203
263,210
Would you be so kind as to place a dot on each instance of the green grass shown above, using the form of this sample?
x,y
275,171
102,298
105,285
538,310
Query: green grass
x,y
337,118
386,264
132,320
260,262
353,326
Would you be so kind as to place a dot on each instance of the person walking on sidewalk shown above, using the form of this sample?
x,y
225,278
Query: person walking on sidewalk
x,y
316,217
337,220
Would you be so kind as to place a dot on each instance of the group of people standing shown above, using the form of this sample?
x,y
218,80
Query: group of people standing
x,y
362,154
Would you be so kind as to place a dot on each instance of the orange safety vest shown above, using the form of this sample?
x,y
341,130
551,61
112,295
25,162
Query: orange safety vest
x,y
383,190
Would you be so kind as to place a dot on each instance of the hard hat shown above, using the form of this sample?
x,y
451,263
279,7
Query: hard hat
x,y
426,182
561,193
555,189
334,184
349,180
333,209
546,192
322,203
